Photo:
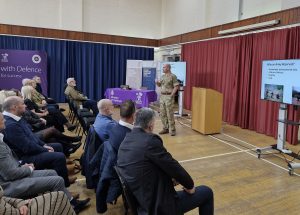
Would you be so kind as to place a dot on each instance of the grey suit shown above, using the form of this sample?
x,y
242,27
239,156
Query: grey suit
x,y
19,182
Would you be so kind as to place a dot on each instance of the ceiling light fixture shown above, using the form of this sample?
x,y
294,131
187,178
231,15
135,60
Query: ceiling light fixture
x,y
250,27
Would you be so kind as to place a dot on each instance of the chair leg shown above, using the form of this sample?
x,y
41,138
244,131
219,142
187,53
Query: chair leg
x,y
126,207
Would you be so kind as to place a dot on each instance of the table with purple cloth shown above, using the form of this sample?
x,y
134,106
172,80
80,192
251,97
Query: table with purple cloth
x,y
142,98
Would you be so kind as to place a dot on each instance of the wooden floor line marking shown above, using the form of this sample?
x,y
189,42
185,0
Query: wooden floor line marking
x,y
211,156
286,169
240,140
246,151
256,147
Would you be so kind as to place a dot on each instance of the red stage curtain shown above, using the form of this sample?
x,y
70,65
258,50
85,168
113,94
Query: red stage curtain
x,y
233,67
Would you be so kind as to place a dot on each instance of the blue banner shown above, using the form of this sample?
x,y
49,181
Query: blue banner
x,y
148,79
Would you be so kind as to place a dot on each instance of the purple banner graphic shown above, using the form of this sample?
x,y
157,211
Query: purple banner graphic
x,y
142,98
15,65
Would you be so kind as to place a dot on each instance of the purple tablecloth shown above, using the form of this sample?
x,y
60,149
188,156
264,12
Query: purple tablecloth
x,y
142,98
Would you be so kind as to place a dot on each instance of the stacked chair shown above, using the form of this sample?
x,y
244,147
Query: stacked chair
x,y
82,116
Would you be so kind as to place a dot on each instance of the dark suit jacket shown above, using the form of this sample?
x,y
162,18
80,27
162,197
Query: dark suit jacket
x,y
33,120
21,140
39,88
148,169
109,187
91,158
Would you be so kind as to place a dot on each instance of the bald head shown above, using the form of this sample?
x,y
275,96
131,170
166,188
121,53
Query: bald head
x,y
14,105
166,68
105,107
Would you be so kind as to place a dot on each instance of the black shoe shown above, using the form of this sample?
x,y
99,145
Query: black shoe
x,y
79,205
76,139
74,147
71,128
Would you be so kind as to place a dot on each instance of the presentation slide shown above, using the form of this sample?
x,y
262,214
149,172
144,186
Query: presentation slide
x,y
281,81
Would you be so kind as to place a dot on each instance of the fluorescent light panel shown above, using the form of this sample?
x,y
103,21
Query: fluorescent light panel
x,y
250,27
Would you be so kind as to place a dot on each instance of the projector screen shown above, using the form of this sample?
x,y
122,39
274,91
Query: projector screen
x,y
281,81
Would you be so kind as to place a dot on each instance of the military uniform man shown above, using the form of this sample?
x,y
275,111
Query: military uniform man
x,y
79,98
169,85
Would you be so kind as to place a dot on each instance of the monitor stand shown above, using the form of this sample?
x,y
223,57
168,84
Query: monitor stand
x,y
281,135
180,102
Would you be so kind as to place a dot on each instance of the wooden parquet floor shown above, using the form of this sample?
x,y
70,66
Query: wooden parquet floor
x,y
227,162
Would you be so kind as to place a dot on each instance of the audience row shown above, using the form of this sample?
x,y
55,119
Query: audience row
x,y
148,168
33,152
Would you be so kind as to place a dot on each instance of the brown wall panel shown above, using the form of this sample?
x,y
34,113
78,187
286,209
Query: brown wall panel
x,y
205,34
73,35
170,40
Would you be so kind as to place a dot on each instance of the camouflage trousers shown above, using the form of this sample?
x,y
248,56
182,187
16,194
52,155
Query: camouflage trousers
x,y
166,112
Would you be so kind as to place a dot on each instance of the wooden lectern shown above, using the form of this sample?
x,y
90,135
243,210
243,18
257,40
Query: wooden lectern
x,y
207,110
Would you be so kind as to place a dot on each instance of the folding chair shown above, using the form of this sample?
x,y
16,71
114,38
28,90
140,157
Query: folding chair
x,y
130,202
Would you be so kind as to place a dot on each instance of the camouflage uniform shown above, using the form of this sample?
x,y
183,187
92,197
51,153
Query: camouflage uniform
x,y
168,82
37,97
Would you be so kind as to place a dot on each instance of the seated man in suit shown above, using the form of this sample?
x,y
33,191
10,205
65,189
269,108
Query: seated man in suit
x,y
27,146
125,125
79,98
104,122
151,173
21,181
109,188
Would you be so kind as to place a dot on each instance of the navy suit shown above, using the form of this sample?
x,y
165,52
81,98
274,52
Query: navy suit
x,y
29,148
91,158
109,188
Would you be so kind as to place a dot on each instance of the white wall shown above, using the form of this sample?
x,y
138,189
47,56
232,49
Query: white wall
x,y
219,12
286,4
190,15
182,16
35,13
73,19
252,8
134,18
